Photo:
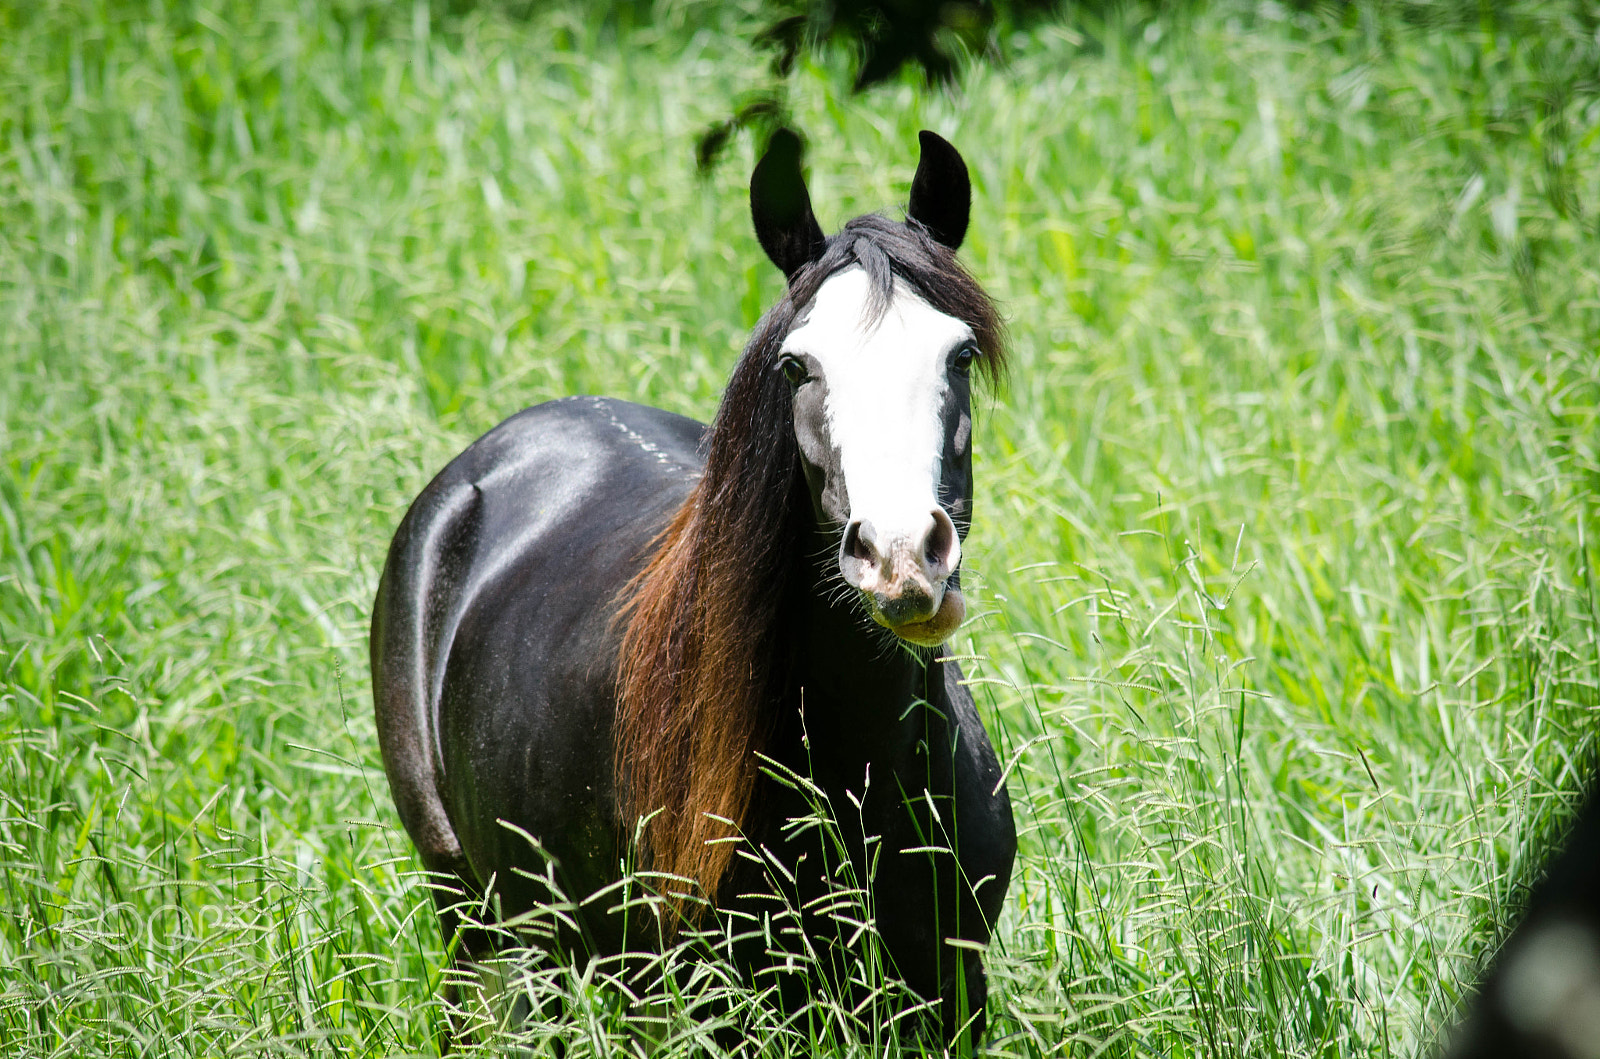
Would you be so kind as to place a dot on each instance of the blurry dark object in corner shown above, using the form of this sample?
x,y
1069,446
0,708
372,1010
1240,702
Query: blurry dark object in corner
x,y
1541,997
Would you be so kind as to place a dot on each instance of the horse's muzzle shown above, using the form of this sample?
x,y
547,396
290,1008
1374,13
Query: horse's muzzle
x,y
904,578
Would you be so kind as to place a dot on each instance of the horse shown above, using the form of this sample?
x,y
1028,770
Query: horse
x,y
607,635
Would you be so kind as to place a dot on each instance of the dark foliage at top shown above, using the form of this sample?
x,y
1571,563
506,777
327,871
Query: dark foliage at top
x,y
933,36
884,35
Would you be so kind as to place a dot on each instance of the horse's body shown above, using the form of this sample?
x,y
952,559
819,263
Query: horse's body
x,y
493,624
527,725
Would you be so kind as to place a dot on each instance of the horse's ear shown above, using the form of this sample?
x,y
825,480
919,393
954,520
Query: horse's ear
x,y
941,193
781,208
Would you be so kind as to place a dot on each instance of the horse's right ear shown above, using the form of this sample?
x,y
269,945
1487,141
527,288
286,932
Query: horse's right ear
x,y
781,208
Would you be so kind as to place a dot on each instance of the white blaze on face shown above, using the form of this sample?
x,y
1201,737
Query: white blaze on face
x,y
886,385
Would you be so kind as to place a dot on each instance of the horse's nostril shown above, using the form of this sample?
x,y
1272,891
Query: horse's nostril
x,y
858,542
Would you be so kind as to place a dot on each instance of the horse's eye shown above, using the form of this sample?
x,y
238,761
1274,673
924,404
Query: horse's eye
x,y
962,361
793,370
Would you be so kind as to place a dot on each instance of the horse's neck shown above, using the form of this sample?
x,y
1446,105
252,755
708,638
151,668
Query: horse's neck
x,y
857,690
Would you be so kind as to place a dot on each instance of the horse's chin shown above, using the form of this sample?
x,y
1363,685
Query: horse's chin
x,y
939,628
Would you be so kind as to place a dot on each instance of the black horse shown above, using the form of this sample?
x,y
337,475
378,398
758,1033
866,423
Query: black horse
x,y
605,631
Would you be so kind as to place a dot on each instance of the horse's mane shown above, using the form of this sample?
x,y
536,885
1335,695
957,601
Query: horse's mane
x,y
703,656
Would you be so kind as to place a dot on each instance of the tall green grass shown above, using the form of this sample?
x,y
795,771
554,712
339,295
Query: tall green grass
x,y
1285,545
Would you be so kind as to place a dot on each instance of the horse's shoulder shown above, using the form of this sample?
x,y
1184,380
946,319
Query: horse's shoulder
x,y
972,744
966,724
981,796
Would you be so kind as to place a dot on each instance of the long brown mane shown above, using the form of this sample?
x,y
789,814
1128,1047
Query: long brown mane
x,y
704,662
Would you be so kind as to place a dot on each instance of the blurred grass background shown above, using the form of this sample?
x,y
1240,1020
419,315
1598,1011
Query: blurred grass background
x,y
1285,542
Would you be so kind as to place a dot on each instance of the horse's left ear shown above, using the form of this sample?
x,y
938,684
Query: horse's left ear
x,y
941,193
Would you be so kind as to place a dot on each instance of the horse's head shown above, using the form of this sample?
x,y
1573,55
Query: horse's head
x,y
886,329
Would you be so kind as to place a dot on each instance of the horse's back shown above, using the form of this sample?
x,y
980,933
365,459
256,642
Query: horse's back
x,y
493,640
